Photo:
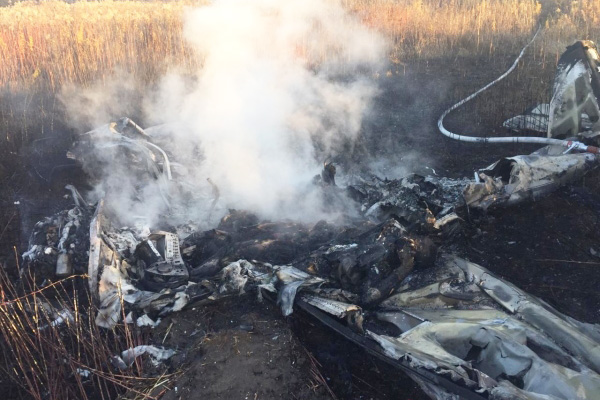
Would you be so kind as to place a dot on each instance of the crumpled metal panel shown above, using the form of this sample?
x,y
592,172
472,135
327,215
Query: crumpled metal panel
x,y
576,90
533,119
463,323
513,180
536,119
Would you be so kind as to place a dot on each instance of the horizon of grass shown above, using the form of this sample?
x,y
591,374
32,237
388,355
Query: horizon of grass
x,y
47,46
52,43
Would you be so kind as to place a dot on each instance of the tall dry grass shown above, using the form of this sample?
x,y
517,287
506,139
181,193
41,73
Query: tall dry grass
x,y
425,30
49,44
51,348
52,43
436,29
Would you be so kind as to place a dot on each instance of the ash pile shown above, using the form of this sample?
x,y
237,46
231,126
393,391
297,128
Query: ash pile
x,y
386,273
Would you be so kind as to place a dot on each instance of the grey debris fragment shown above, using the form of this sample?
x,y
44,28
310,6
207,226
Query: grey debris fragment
x,y
83,372
293,279
461,322
536,119
64,265
333,307
533,119
234,277
513,180
61,317
128,357
145,320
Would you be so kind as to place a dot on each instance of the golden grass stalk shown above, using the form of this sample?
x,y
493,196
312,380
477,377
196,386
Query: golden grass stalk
x,y
47,359
47,45
53,42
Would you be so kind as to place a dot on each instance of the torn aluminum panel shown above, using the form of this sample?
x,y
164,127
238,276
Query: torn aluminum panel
x,y
333,307
479,333
536,119
515,179
99,254
110,275
576,90
485,353
582,340
533,119
291,281
65,244
116,290
167,244
351,312
522,348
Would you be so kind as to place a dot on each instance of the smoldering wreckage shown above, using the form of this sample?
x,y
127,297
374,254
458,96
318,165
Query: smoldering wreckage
x,y
386,277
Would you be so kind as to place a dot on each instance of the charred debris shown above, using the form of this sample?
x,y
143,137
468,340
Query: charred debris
x,y
387,274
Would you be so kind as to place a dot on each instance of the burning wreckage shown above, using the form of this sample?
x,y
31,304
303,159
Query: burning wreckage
x,y
387,277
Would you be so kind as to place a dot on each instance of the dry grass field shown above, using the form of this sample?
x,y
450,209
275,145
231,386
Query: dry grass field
x,y
49,44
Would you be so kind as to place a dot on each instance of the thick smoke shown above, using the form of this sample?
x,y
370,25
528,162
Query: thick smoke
x,y
284,85
115,96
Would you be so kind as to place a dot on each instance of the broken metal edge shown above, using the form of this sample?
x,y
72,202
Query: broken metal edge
x,y
95,250
373,349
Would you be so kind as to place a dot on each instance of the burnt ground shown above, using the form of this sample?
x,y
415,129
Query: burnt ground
x,y
242,349
237,349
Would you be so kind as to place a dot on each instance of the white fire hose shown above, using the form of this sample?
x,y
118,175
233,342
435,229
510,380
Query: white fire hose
x,y
570,145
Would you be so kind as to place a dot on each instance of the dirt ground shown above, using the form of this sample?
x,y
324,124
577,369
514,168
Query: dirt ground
x,y
237,349
240,348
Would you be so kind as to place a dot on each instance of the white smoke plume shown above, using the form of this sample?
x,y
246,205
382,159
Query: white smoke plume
x,y
102,101
283,85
